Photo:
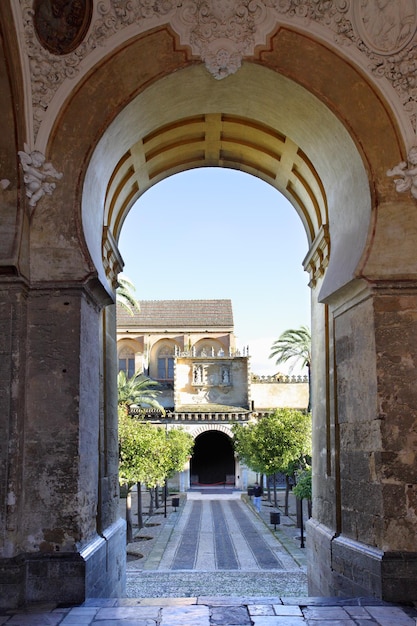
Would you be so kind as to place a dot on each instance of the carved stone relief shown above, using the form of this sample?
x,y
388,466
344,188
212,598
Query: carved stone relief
x,y
386,25
223,32
384,32
37,175
406,173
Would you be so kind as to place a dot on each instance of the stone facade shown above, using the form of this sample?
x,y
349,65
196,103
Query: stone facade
x,y
189,346
101,100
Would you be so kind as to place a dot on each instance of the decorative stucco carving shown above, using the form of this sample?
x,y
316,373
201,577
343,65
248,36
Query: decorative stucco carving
x,y
223,32
384,33
386,26
406,173
49,71
37,175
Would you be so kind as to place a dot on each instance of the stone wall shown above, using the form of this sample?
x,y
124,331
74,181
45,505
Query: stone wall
x,y
269,394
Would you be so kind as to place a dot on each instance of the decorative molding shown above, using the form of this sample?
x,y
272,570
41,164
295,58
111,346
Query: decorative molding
x,y
385,37
407,174
282,379
386,27
49,71
223,32
203,429
37,175
202,416
195,417
112,259
318,256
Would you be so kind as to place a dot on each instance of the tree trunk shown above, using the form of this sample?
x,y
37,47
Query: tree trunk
x,y
129,524
151,501
268,486
157,497
287,493
140,508
275,491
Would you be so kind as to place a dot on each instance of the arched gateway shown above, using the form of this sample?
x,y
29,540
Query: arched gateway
x,y
101,102
213,461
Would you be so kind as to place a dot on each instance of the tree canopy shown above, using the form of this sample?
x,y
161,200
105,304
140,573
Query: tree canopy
x,y
273,442
180,445
294,345
303,487
147,453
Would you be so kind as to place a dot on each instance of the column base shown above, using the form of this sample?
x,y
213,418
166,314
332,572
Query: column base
x,y
97,571
338,566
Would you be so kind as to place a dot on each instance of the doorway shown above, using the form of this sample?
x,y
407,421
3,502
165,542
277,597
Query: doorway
x,y
213,461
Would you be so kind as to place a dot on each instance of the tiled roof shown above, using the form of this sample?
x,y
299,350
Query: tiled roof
x,y
178,314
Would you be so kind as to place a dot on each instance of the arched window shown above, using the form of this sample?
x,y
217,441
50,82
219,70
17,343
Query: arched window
x,y
127,362
166,363
209,348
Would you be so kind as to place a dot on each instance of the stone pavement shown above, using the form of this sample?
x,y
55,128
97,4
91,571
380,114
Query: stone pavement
x,y
223,597
243,558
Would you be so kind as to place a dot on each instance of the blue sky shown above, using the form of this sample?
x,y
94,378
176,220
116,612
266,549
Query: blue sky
x,y
220,233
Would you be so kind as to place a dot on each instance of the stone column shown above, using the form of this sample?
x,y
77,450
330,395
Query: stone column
x,y
59,548
13,325
370,547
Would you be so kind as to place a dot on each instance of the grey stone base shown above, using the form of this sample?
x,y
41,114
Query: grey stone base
x,y
97,571
338,566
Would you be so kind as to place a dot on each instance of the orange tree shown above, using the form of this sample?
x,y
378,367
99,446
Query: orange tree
x,y
270,444
148,454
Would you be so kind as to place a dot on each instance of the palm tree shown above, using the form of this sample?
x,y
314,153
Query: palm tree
x,y
125,295
295,345
138,390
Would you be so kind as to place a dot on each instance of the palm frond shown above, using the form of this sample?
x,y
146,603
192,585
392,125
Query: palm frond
x,y
139,390
293,344
125,295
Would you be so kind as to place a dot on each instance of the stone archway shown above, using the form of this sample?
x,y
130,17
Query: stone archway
x,y
304,113
213,461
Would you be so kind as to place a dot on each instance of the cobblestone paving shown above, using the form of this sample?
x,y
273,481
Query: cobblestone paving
x,y
210,596
198,583
211,534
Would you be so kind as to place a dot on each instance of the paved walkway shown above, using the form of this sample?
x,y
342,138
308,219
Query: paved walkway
x,y
243,574
216,544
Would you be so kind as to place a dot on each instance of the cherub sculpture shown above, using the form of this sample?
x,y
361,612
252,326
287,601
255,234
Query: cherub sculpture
x,y
407,171
37,174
